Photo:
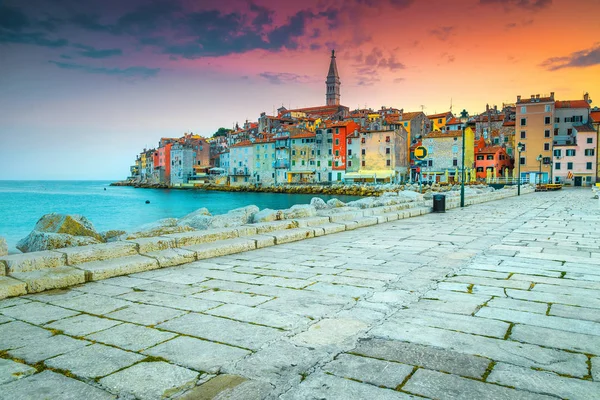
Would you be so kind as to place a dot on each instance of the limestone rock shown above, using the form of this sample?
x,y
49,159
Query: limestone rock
x,y
428,195
161,227
38,241
300,211
367,202
112,235
236,217
267,215
3,247
335,203
199,219
75,225
410,195
318,203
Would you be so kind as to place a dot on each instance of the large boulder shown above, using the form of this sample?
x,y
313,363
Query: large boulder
x,y
299,211
39,241
3,247
367,202
410,195
74,225
199,219
267,215
112,235
161,227
318,203
335,203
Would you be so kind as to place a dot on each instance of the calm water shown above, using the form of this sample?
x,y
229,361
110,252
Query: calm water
x,y
22,203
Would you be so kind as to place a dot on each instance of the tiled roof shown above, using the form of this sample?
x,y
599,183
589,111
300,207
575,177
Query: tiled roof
x,y
440,115
453,121
407,116
490,149
572,104
595,115
302,135
535,100
243,143
585,128
509,123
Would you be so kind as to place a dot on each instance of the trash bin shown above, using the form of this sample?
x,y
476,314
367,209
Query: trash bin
x,y
439,203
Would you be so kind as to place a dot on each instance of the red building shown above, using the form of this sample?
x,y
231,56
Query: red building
x,y
493,158
164,161
340,132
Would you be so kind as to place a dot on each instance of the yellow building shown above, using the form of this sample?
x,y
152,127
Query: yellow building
x,y
438,121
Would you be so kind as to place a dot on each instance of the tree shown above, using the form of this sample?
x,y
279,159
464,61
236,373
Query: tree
x,y
222,132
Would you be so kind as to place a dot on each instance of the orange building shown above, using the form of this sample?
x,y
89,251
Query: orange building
x,y
340,131
534,126
494,158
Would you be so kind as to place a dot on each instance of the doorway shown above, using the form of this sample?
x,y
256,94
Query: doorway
x,y
578,180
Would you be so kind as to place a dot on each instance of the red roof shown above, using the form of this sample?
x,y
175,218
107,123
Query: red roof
x,y
536,100
572,104
584,128
490,149
453,121
509,123
434,116
302,135
243,143
595,115
407,116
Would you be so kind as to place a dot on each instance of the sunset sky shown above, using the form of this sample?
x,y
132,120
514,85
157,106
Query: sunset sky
x,y
85,85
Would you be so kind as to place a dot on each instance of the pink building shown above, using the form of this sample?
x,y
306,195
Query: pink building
x,y
576,162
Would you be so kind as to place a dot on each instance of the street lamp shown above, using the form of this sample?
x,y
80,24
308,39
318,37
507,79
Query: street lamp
x,y
464,117
519,149
540,158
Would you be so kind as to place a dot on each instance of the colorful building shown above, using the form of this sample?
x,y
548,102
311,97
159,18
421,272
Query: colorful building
x,y
324,154
595,119
534,124
575,161
182,164
444,153
492,158
241,166
302,157
340,131
438,121
264,159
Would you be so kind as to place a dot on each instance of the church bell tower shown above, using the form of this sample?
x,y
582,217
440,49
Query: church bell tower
x,y
333,83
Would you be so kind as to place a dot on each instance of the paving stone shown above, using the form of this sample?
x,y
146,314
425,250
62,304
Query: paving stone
x,y
187,303
33,261
351,281
522,354
158,243
151,380
303,305
125,281
45,348
16,334
519,305
369,275
456,322
340,290
292,235
145,314
172,257
559,323
131,337
92,303
285,282
10,287
98,270
4,319
200,355
260,316
167,287
222,330
504,283
98,252
12,371
322,386
554,298
558,339
589,314
94,361
329,332
424,356
83,324
444,386
13,301
262,241
596,369
37,313
543,382
221,248
225,296
369,370
228,387
50,385
102,289
199,237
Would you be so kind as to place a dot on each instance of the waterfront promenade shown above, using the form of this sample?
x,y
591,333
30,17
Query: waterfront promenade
x,y
499,300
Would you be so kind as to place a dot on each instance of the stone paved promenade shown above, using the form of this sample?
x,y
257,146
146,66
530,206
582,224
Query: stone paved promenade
x,y
495,301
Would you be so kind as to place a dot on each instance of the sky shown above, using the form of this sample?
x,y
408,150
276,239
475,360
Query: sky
x,y
86,85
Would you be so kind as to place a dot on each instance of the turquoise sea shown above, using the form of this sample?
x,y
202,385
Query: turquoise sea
x,y
22,203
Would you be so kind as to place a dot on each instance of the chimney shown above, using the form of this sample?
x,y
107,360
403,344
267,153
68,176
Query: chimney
x,y
586,97
537,96
518,98
496,108
552,95
487,108
532,96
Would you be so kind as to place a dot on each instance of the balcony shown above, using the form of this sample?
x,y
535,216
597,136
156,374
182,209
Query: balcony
x,y
240,172
281,164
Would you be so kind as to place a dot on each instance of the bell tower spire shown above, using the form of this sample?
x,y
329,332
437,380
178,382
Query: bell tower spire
x,y
333,83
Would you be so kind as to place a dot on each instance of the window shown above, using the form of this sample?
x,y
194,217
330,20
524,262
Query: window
x,y
590,140
303,162
546,146
522,161
546,161
293,152
318,152
406,124
362,163
547,120
349,152
389,162
496,141
588,165
293,162
349,163
387,138
569,165
569,131
318,163
349,141
523,147
555,131
337,131
557,120
557,166
479,157
547,108
577,118
430,163
523,135
337,142
362,140
337,153
589,152
570,153
547,133
455,162
387,150
523,110
479,169
489,157
363,151
439,121
455,149
329,151
523,121
557,153
329,163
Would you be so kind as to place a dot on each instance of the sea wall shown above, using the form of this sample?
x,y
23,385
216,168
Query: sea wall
x,y
39,271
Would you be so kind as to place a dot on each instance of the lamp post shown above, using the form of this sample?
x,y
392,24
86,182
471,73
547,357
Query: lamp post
x,y
464,117
519,150
539,159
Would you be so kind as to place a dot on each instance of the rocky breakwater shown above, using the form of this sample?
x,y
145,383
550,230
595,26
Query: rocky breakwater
x,y
3,247
143,185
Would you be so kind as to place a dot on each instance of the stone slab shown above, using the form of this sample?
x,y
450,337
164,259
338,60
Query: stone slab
x,y
16,334
589,314
228,387
10,287
558,339
92,303
198,237
222,330
262,241
187,303
150,244
46,348
328,332
267,227
38,313
424,356
33,261
444,386
52,278
225,296
369,370
221,248
98,270
12,371
94,361
50,385
151,380
311,221
260,316
332,228
98,252
200,355
172,257
145,314
292,235
130,337
81,325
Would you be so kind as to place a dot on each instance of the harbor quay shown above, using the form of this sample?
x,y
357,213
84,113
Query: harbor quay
x,y
497,300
